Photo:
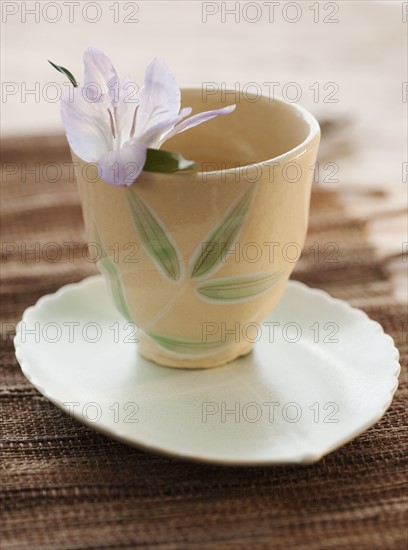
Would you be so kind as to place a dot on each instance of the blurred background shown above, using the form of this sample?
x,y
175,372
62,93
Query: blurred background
x,y
345,60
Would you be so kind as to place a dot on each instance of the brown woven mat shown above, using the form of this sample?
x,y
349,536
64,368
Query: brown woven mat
x,y
65,486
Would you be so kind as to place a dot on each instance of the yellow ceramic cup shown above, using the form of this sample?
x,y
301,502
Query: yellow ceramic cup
x,y
198,259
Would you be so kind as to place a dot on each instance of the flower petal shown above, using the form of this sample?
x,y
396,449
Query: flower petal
x,y
159,97
86,124
123,167
128,103
153,137
185,111
198,119
100,76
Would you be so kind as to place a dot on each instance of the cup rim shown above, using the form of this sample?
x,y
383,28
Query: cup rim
x,y
314,131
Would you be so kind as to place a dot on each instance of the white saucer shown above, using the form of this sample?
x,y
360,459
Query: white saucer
x,y
286,402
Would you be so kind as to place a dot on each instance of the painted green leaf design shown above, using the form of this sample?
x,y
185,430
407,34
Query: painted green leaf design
x,y
66,72
213,248
153,237
185,346
238,288
158,160
110,269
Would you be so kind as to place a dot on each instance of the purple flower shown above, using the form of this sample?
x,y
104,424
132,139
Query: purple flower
x,y
103,126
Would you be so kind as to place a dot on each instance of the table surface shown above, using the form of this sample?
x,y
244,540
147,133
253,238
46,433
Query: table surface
x,y
67,487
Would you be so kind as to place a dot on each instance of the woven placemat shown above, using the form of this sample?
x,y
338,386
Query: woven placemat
x,y
65,486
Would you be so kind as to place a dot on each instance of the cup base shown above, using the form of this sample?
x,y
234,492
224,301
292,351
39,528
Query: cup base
x,y
153,352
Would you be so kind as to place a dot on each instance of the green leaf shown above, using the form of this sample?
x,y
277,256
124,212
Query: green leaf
x,y
166,162
110,269
239,288
185,346
66,72
214,247
152,235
